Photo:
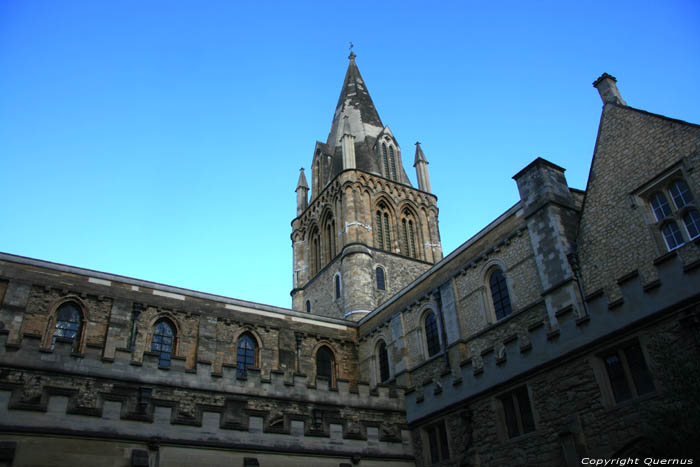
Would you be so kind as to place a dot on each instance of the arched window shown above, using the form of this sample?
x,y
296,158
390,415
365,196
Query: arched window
x,y
499,294
383,359
69,323
386,160
329,248
432,338
392,161
163,341
408,235
381,283
325,364
383,229
337,286
246,354
308,306
315,252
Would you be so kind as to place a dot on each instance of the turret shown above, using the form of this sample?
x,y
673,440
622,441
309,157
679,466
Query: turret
x,y
421,165
302,191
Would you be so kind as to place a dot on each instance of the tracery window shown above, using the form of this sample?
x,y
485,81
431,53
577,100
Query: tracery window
x,y
163,341
432,339
383,229
69,323
246,354
499,294
383,359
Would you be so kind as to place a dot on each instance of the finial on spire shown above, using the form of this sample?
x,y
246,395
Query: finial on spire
x,y
352,54
417,143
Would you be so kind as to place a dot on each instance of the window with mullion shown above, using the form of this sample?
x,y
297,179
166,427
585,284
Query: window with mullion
x,y
68,323
162,344
517,412
627,373
680,193
660,206
672,235
692,223
245,355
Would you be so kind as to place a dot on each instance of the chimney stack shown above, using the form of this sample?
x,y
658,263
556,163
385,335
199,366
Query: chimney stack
x,y
607,88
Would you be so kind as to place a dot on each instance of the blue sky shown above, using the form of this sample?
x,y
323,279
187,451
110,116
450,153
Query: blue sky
x,y
162,140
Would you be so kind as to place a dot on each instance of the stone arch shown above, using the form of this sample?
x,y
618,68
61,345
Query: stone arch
x,y
498,291
81,307
332,377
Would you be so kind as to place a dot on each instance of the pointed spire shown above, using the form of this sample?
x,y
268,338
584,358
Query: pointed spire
x,y
420,157
302,180
302,193
355,103
421,165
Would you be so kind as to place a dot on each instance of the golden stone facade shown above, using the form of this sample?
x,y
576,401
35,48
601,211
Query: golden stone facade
x,y
566,329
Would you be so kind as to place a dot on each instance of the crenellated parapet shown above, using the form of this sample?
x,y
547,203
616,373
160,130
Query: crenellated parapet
x,y
49,388
505,357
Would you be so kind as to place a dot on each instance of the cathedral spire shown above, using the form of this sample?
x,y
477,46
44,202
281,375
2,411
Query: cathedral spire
x,y
356,104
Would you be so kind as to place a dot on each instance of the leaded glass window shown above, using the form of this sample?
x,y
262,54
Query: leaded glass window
x,y
431,334
245,354
692,223
660,206
163,342
672,235
68,323
381,284
680,193
499,294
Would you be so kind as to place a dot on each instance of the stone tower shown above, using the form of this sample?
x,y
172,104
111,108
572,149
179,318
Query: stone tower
x,y
365,232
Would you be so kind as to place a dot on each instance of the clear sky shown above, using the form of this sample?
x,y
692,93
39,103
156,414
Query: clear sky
x,y
162,139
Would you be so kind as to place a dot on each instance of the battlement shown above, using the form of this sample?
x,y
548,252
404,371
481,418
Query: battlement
x,y
678,280
61,359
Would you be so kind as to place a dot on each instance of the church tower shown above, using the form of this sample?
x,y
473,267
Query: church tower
x,y
365,232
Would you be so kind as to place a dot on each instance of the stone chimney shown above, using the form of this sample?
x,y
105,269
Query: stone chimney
x,y
607,88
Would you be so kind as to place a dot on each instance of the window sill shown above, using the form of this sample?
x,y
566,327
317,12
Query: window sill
x,y
519,438
630,402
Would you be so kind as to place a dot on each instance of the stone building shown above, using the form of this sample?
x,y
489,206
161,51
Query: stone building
x,y
547,338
